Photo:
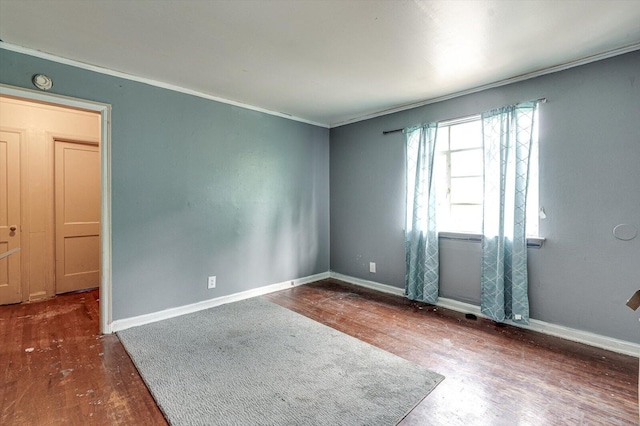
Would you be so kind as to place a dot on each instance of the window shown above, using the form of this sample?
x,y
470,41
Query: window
x,y
458,171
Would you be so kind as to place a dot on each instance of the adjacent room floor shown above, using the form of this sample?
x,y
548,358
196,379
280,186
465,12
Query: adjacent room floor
x,y
59,370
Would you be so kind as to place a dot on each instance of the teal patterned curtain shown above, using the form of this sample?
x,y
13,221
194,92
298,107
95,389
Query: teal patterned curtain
x,y
421,236
507,134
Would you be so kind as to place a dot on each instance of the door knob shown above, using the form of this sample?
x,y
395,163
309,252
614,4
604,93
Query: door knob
x,y
12,228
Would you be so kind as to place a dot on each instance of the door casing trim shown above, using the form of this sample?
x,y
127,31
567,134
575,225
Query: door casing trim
x,y
105,181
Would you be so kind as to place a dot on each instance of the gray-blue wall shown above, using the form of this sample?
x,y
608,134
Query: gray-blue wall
x,y
200,188
589,183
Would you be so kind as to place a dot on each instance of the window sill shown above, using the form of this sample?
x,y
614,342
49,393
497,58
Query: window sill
x,y
532,242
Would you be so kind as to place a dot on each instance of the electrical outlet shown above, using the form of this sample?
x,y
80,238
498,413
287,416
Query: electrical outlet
x,y
517,317
211,283
372,267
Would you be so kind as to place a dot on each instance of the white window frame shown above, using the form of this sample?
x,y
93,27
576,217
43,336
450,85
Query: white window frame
x,y
532,203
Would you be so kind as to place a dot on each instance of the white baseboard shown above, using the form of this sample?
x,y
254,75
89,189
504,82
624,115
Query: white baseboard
x,y
125,323
384,288
592,339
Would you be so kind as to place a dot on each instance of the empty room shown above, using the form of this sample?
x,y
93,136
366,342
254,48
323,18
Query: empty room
x,y
306,212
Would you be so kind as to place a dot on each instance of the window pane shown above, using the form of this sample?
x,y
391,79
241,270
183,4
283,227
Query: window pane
x,y
459,184
440,177
466,219
466,135
467,163
442,139
466,190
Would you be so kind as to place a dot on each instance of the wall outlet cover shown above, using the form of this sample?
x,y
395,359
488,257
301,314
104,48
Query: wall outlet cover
x,y
211,283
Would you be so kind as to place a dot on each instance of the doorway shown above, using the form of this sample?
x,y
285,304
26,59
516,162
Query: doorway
x,y
77,216
59,174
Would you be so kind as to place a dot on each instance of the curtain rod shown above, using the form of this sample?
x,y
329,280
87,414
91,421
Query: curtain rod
x,y
386,132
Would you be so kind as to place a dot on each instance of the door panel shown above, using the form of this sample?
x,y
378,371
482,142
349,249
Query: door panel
x,y
10,228
77,212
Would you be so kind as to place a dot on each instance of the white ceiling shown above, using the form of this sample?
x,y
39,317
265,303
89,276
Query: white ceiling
x,y
327,62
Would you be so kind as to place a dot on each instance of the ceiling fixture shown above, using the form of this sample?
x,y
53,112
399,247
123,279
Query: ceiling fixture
x,y
42,82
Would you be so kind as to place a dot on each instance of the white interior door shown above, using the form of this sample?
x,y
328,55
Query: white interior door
x,y
10,228
77,216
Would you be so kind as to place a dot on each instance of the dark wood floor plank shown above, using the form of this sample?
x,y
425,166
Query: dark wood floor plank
x,y
58,370
495,375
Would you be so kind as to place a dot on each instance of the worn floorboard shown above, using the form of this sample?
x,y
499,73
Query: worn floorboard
x,y
57,369
494,375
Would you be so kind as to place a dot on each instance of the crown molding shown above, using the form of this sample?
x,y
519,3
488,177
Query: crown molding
x,y
523,77
150,82
156,83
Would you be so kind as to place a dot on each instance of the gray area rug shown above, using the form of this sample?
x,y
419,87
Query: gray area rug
x,y
256,363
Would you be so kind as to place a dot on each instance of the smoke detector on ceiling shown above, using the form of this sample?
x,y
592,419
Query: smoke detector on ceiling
x,y
42,82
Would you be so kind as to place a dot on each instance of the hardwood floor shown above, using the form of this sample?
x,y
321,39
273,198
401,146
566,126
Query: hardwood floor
x,y
495,375
58,369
